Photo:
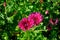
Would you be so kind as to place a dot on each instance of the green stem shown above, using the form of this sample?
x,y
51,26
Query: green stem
x,y
27,35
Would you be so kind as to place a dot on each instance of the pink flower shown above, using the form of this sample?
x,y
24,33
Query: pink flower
x,y
4,4
37,17
53,22
46,12
26,24
56,21
49,27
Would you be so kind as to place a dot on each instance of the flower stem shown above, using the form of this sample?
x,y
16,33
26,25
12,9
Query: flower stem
x,y
39,30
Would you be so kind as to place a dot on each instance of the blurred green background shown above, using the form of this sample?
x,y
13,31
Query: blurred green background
x,y
12,11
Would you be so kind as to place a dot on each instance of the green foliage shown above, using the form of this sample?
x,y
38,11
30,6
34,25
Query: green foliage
x,y
15,10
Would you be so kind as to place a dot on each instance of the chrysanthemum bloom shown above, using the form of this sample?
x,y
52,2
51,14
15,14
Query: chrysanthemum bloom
x,y
26,24
37,17
46,12
53,22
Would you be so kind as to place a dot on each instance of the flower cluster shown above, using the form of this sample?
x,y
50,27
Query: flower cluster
x,y
33,19
53,22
